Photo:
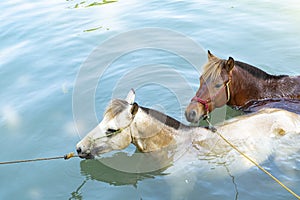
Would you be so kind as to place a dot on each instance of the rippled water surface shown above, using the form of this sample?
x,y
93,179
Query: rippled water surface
x,y
44,44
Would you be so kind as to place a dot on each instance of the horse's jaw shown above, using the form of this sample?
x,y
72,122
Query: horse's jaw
x,y
86,156
89,150
91,153
156,142
98,151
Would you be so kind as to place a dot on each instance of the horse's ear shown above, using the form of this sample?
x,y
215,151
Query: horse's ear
x,y
229,64
130,96
209,55
134,108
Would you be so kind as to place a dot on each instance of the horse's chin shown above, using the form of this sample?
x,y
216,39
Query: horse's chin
x,y
197,119
86,156
98,151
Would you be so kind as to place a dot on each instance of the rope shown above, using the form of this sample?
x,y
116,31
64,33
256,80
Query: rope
x,y
71,155
253,161
66,157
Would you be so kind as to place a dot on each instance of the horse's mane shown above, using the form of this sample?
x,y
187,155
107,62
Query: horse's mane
x,y
257,72
115,107
165,119
212,70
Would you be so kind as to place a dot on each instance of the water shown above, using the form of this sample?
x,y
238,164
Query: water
x,y
43,46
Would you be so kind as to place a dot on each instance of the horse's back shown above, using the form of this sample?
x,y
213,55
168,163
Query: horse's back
x,y
287,122
276,115
298,86
267,120
295,81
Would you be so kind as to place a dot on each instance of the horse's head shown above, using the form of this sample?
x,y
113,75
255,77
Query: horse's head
x,y
214,90
113,132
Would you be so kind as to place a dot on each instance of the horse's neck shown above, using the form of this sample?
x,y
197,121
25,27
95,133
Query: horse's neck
x,y
152,134
246,87
159,131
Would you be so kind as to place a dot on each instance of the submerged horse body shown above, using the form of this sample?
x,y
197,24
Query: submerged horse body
x,y
258,135
237,84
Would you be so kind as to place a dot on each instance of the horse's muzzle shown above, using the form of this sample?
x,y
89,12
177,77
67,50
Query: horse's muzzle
x,y
191,116
195,111
84,155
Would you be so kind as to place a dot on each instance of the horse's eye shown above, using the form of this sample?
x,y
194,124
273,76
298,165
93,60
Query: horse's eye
x,y
218,85
111,132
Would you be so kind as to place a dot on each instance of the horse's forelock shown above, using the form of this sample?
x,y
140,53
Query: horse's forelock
x,y
115,107
212,69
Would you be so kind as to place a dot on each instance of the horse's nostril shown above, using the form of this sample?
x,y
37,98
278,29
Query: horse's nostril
x,y
78,150
192,114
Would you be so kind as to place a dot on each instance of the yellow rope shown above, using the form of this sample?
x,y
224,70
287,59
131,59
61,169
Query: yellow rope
x,y
66,157
254,162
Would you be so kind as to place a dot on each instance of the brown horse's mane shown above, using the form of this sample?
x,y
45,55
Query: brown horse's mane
x,y
212,70
256,72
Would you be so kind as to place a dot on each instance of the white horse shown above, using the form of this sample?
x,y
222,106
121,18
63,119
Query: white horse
x,y
185,148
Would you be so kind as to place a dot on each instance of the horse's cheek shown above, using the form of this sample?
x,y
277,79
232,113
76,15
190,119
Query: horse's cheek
x,y
121,142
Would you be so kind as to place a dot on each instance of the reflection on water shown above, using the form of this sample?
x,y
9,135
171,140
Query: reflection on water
x,y
97,170
77,193
40,61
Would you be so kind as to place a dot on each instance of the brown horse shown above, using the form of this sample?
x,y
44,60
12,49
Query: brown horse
x,y
237,84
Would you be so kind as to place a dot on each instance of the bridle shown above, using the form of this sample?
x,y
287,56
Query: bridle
x,y
205,103
114,132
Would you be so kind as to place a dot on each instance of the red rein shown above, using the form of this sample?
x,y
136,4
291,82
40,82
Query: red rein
x,y
206,102
203,102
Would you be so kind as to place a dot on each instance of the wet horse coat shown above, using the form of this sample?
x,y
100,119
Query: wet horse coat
x,y
239,85
258,135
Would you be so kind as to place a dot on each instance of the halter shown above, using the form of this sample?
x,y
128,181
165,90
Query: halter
x,y
113,133
206,102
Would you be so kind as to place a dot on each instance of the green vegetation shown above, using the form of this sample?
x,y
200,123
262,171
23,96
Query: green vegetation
x,y
101,3
92,29
85,4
